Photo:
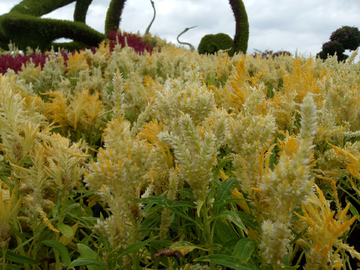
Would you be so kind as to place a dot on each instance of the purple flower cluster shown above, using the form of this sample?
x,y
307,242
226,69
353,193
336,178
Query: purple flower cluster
x,y
132,40
15,62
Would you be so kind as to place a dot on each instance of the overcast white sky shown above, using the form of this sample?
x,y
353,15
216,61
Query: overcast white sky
x,y
302,25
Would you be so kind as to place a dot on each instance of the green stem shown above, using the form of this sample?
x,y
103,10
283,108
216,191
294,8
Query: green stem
x,y
209,239
135,240
56,253
57,235
15,215
4,255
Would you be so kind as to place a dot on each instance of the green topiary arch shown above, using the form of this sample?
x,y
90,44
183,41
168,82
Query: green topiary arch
x,y
24,26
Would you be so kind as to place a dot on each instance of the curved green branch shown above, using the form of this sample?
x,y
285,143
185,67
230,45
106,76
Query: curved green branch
x,y
24,27
25,30
192,48
113,15
148,28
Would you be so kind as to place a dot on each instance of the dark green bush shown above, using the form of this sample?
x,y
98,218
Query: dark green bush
x,y
212,43
332,48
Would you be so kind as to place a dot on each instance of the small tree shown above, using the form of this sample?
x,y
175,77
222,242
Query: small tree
x,y
344,38
349,37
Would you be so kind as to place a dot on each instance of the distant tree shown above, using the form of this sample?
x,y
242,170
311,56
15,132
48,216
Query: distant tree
x,y
344,38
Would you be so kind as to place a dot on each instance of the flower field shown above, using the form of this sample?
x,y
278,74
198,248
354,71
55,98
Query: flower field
x,y
123,158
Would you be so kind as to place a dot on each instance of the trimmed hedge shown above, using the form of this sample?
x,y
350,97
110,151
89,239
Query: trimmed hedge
x,y
31,31
113,15
81,9
212,43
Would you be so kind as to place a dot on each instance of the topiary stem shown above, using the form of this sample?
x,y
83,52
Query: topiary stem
x,y
113,15
242,26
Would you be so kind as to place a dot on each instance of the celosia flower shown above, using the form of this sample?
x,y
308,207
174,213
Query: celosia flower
x,y
76,62
85,111
121,168
65,162
324,233
189,97
7,210
195,153
288,185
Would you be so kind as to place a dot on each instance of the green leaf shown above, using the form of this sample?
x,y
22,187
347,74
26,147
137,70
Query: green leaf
x,y
224,233
136,247
150,221
228,261
181,213
225,188
66,240
86,261
244,248
228,201
184,247
59,248
184,204
65,230
11,267
88,253
224,192
233,217
355,212
149,209
161,200
248,220
13,257
186,193
199,206
85,195
24,243
70,207
221,165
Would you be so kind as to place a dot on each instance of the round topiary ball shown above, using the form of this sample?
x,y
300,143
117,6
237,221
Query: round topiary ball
x,y
348,36
212,43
